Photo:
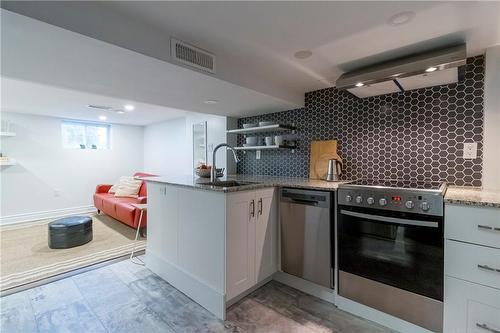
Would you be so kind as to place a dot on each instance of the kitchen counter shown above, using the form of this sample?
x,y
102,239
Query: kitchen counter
x,y
472,196
256,182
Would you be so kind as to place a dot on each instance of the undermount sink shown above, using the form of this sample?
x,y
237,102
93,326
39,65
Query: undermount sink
x,y
228,183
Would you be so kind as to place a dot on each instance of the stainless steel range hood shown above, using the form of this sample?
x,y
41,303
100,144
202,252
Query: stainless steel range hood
x,y
418,71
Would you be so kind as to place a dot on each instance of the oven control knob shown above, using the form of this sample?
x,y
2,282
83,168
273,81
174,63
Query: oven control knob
x,y
425,206
348,198
359,199
382,202
409,204
370,200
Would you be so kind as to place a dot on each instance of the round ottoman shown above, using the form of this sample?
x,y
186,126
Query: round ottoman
x,y
70,231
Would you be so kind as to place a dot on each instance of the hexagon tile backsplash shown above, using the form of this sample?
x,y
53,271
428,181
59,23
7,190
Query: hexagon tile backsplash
x,y
417,134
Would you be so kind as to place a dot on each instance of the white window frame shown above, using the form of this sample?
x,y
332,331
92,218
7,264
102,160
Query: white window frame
x,y
87,124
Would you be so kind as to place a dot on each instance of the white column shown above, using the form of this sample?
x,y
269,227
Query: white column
x,y
491,150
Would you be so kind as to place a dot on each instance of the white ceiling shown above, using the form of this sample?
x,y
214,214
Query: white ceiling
x,y
40,99
255,41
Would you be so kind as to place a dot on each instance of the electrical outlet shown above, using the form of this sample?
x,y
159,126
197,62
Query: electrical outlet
x,y
470,150
257,155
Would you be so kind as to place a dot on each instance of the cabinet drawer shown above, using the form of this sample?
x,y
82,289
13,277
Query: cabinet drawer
x,y
472,263
470,307
478,225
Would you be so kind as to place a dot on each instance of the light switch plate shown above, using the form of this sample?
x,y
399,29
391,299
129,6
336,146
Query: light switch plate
x,y
470,150
257,154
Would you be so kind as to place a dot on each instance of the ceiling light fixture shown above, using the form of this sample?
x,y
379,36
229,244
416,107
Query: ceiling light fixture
x,y
431,69
120,111
303,54
401,18
129,107
211,101
359,84
103,118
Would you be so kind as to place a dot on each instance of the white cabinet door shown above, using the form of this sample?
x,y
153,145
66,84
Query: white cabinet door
x,y
240,242
156,196
266,246
470,307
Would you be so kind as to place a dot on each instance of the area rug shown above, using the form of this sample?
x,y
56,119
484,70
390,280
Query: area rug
x,y
25,256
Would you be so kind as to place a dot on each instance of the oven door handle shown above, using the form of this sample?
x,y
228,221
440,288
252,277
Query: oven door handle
x,y
390,219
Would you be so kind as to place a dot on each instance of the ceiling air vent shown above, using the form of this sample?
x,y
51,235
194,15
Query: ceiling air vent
x,y
100,107
192,56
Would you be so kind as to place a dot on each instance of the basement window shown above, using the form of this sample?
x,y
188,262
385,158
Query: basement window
x,y
85,135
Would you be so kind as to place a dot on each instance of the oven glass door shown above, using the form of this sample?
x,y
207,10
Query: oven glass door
x,y
398,249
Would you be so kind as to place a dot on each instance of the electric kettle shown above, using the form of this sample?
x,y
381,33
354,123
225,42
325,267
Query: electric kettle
x,y
334,171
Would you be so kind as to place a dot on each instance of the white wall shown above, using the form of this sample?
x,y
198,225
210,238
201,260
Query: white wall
x,y
45,168
491,150
166,150
168,146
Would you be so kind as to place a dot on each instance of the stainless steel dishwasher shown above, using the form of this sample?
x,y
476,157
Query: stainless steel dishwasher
x,y
305,234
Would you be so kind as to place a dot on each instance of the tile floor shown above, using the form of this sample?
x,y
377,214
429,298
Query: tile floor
x,y
124,298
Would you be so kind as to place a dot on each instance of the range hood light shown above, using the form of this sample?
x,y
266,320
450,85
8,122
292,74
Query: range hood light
x,y
431,69
359,84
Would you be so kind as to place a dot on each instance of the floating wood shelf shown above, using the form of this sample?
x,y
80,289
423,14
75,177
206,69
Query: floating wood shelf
x,y
261,129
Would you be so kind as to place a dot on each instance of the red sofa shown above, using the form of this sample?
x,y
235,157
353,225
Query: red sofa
x,y
121,208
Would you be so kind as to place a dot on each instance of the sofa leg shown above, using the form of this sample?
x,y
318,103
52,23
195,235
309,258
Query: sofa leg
x,y
143,232
98,211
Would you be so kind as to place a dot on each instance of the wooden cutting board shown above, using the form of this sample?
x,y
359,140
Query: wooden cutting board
x,y
321,152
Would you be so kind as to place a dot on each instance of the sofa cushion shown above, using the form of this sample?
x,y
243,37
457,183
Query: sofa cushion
x,y
99,198
125,213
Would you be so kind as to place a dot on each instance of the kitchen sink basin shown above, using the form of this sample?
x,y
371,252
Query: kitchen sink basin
x,y
228,183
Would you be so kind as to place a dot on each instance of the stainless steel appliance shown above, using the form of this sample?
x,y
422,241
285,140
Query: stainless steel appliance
x,y
305,235
390,248
334,170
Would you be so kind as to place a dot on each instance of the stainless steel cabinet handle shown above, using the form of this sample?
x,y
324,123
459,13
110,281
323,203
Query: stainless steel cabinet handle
x,y
487,328
487,227
260,206
488,268
252,208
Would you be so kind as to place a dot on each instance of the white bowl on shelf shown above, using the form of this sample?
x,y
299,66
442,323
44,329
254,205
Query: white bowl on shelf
x,y
249,125
251,141
266,123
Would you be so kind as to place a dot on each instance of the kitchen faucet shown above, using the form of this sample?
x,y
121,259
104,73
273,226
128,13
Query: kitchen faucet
x,y
213,171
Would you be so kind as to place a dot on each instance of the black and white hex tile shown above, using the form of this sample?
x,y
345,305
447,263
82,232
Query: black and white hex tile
x,y
416,134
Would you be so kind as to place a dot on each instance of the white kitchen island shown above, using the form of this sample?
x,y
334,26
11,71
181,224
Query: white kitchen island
x,y
214,244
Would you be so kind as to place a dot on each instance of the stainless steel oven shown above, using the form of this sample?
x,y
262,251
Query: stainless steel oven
x,y
391,259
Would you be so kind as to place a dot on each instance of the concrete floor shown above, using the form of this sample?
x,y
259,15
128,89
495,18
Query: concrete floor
x,y
126,298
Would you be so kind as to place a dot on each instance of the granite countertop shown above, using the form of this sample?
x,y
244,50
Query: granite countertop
x,y
472,196
256,182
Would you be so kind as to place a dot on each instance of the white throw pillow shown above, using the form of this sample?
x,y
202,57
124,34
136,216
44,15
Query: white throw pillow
x,y
114,187
128,187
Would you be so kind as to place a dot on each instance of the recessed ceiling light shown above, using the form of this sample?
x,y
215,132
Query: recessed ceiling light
x,y
129,107
120,111
103,118
431,69
401,18
359,84
303,54
211,101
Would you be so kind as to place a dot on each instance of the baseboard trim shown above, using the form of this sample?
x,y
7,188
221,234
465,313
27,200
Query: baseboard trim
x,y
30,217
377,316
305,286
247,292
203,294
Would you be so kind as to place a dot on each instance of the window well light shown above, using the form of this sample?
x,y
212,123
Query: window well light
x,y
103,118
129,107
359,84
431,69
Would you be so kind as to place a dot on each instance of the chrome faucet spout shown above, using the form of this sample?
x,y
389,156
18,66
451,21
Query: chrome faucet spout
x,y
213,171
